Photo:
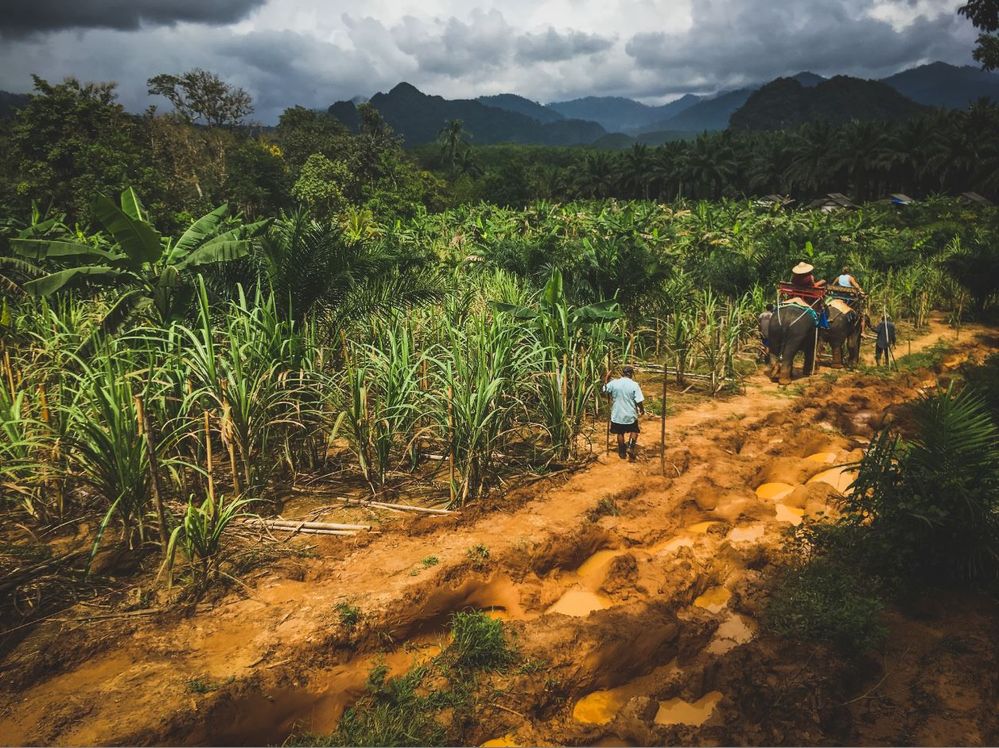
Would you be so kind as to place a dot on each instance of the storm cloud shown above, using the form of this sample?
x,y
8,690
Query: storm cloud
x,y
733,42
314,52
551,46
25,17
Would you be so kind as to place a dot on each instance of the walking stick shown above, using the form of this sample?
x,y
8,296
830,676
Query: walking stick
x,y
607,429
662,429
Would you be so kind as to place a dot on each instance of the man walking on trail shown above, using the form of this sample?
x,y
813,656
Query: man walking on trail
x,y
885,341
625,409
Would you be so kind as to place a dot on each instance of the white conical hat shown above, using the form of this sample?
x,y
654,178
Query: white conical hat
x,y
802,268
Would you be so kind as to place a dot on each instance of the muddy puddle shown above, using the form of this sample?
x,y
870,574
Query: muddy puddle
x,y
839,478
790,514
714,600
580,602
736,629
774,491
601,707
746,534
680,712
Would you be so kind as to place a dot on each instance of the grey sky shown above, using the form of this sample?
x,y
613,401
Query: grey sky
x,y
313,52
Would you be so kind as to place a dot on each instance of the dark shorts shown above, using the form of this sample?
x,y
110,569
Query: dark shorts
x,y
624,428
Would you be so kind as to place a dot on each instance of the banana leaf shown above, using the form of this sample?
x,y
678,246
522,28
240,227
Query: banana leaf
x,y
37,249
139,240
49,284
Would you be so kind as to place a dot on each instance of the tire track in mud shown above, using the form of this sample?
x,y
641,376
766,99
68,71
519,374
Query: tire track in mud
x,y
635,613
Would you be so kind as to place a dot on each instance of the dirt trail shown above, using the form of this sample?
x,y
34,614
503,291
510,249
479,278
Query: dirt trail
x,y
643,608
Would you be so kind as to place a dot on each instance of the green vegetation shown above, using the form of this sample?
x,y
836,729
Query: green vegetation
x,y
425,705
478,555
478,642
171,364
606,507
923,513
349,615
824,601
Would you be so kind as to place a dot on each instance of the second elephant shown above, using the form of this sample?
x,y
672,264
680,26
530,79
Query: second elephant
x,y
792,330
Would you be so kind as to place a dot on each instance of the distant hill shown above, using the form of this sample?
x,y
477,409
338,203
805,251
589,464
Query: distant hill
x,y
942,85
418,118
514,103
617,114
808,80
708,114
11,102
786,103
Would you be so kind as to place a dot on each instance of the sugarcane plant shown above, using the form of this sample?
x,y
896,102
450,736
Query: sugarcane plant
x,y
570,346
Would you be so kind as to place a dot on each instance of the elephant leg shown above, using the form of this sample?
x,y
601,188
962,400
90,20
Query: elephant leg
x,y
773,367
786,368
811,364
837,355
854,349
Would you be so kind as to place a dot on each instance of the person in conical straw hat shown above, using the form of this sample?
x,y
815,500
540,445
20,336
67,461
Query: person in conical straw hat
x,y
802,276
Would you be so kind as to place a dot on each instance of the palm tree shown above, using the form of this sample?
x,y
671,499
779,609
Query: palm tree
x,y
668,167
315,270
812,157
594,175
709,166
860,156
450,138
635,171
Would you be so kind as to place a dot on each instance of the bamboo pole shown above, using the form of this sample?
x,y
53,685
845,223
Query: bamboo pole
x,y
662,430
146,428
311,525
402,507
609,407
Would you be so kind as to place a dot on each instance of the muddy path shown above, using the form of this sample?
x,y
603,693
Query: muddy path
x,y
639,594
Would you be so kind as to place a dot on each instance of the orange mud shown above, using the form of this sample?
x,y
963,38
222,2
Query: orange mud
x,y
646,622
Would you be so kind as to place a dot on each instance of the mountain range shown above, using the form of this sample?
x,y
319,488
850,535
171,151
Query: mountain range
x,y
418,117
617,122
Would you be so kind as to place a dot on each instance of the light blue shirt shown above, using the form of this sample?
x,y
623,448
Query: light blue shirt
x,y
627,395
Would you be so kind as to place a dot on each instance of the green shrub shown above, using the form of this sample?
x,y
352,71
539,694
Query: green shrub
x,y
349,614
931,502
823,601
478,642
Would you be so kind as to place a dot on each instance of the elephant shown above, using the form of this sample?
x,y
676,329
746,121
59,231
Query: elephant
x,y
792,329
846,325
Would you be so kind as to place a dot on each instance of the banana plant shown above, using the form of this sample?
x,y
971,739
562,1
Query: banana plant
x,y
151,275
